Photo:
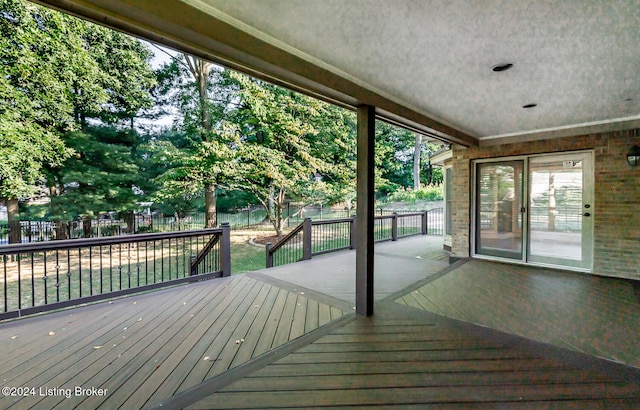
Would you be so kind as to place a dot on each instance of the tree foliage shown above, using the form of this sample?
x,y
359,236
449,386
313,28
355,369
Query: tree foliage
x,y
33,104
69,95
274,143
284,149
58,75
101,175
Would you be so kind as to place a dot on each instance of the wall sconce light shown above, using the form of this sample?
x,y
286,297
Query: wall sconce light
x,y
633,157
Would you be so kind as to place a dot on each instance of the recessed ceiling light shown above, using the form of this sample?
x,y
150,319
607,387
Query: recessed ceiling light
x,y
501,67
530,105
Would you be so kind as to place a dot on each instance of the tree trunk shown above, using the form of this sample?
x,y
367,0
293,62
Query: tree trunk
x,y
211,217
61,228
86,227
200,69
62,231
272,194
13,216
129,219
279,220
416,162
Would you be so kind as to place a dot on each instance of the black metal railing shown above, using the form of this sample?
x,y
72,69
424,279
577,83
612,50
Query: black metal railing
x,y
290,248
332,235
312,238
36,277
141,223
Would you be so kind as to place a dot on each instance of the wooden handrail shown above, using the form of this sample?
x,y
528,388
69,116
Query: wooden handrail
x,y
105,240
287,238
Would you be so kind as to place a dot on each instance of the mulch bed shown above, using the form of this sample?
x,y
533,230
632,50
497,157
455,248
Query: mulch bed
x,y
263,239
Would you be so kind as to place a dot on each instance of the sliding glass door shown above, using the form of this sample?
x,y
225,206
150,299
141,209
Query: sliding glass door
x,y
537,209
499,217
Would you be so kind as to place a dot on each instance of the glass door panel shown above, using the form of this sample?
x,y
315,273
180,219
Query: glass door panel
x,y
560,210
499,209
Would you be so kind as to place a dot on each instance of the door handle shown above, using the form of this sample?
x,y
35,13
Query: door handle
x,y
587,214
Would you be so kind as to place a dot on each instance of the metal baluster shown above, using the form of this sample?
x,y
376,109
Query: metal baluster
x,y
154,261
110,268
68,274
101,277
90,271
45,278
33,280
162,260
119,266
57,277
138,263
4,263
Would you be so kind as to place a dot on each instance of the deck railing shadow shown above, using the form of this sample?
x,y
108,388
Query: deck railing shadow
x,y
37,277
312,238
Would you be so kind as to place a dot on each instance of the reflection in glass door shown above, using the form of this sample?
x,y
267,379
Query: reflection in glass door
x,y
537,209
499,209
560,210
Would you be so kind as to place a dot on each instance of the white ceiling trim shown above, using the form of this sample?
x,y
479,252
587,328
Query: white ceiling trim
x,y
566,131
610,124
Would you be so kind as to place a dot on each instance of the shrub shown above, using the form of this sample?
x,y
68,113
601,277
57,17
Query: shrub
x,y
427,193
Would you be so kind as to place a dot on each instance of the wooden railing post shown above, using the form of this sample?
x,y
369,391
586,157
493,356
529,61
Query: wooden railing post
x,y
425,223
306,239
269,255
352,236
394,227
225,250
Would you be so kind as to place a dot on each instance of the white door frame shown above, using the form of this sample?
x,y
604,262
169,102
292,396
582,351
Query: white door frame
x,y
586,265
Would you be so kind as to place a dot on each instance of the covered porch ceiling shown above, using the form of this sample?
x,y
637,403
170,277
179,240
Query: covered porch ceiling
x,y
425,65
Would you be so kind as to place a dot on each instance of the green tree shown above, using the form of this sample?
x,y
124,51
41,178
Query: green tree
x,y
33,103
394,158
201,93
59,72
101,175
125,74
283,148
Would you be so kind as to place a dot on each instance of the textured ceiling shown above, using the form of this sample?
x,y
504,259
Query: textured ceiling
x,y
579,60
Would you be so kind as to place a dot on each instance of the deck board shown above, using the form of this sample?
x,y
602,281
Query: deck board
x,y
145,348
274,343
419,257
421,363
64,364
540,304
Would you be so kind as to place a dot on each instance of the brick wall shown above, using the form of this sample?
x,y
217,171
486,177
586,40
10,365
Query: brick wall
x,y
617,195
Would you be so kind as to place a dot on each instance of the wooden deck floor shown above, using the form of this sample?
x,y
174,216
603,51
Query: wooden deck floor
x,y
400,264
259,340
398,359
590,314
145,348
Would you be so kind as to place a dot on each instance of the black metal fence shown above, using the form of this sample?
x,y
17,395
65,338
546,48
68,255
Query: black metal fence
x,y
49,275
42,231
312,238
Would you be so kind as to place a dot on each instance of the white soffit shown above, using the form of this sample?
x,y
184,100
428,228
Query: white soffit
x,y
579,60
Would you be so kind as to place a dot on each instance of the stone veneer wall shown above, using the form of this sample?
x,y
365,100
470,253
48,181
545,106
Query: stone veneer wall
x,y
616,207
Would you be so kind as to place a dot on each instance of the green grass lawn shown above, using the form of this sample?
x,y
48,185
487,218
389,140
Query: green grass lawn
x,y
245,257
